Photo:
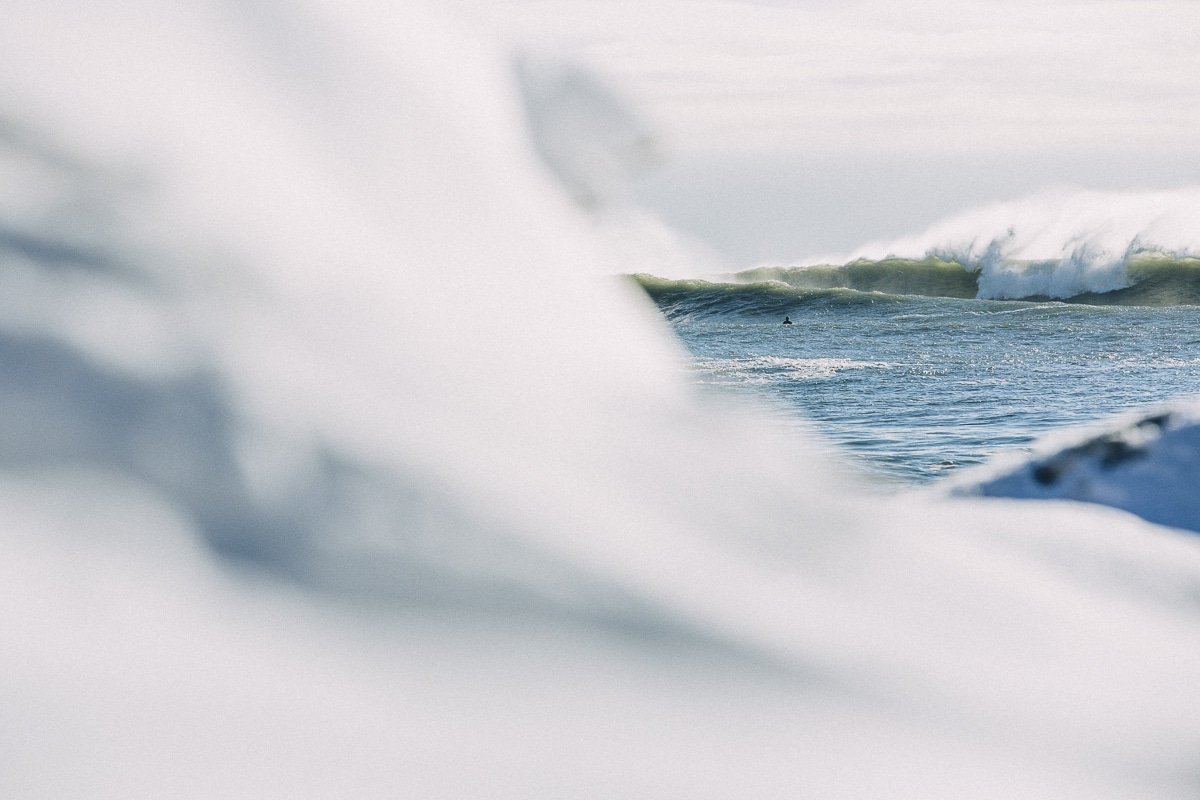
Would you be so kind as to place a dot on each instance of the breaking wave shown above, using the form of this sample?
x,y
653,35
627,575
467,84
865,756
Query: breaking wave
x,y
1146,278
1100,248
693,298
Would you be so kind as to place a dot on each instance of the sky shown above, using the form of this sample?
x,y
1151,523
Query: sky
x,y
799,129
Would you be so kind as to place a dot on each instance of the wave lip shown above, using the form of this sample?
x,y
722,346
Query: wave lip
x,y
702,299
931,276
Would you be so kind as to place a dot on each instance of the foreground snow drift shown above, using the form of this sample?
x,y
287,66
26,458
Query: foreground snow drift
x,y
335,463
1145,464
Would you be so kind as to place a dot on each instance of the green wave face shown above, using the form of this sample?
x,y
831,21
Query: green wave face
x,y
1150,278
930,277
1157,279
699,298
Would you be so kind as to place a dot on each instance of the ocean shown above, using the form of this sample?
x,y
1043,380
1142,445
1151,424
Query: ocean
x,y
913,378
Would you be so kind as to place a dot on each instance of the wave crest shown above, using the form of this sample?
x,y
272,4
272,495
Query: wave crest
x,y
1067,246
1146,278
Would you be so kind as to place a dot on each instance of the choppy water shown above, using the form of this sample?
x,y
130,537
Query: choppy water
x,y
914,387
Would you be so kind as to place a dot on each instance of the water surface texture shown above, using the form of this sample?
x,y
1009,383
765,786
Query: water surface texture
x,y
914,387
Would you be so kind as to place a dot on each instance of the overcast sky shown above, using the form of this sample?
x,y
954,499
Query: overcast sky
x,y
800,127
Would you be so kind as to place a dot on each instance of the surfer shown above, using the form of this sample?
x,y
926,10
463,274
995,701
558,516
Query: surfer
x,y
787,320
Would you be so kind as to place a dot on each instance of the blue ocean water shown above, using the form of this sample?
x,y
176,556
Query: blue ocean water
x,y
914,387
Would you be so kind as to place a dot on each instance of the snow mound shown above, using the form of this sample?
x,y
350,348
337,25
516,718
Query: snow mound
x,y
1145,464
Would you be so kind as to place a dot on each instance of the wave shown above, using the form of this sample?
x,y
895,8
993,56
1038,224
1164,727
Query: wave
x,y
1127,248
1086,271
932,277
1098,248
1143,278
695,298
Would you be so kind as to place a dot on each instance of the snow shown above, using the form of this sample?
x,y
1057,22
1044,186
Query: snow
x,y
392,489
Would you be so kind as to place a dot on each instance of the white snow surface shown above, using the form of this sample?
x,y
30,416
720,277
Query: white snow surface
x,y
1144,463
335,463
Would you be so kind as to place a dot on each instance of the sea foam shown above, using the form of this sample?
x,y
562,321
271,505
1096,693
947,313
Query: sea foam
x,y
1060,243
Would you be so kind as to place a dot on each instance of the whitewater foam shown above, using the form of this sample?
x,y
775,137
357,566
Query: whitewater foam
x,y
773,369
1057,244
